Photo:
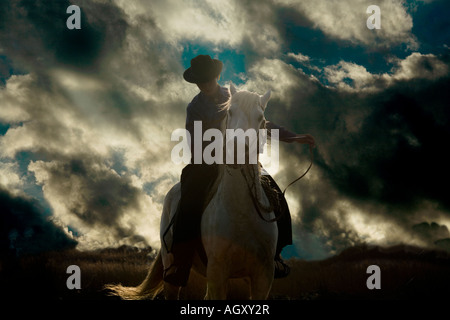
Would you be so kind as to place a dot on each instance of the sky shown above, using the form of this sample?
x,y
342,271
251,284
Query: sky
x,y
86,116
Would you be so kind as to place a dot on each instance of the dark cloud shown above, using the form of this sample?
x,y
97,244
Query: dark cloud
x,y
397,154
380,151
93,193
431,232
393,153
35,33
25,229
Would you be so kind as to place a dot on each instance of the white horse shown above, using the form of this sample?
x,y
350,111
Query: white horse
x,y
237,241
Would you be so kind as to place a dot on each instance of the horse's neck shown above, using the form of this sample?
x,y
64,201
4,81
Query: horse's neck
x,y
244,181
252,176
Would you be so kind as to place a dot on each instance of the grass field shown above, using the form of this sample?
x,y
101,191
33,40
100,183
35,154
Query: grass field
x,y
406,272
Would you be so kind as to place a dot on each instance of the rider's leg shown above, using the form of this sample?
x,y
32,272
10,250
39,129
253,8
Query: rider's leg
x,y
284,224
196,183
281,209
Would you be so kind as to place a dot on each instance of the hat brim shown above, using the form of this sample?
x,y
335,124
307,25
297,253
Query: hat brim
x,y
191,77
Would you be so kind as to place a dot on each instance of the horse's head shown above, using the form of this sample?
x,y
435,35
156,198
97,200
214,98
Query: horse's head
x,y
246,110
246,118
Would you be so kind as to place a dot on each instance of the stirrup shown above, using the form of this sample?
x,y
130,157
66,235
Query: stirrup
x,y
282,270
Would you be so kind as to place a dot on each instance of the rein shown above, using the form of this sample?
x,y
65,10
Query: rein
x,y
311,159
258,205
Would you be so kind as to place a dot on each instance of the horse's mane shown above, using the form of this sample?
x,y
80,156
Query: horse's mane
x,y
245,99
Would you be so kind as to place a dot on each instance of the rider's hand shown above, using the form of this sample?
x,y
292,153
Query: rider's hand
x,y
304,139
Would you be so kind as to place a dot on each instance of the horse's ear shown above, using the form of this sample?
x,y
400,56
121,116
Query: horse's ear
x,y
265,98
233,89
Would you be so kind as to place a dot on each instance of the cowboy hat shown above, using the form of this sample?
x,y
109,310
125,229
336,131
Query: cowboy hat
x,y
203,69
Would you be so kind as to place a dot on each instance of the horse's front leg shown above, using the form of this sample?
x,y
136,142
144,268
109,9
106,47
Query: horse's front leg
x,y
261,282
171,292
217,281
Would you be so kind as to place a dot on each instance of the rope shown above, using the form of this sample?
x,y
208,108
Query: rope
x,y
256,203
311,157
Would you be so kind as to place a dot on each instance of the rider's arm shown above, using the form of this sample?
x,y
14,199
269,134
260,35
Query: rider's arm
x,y
288,136
283,133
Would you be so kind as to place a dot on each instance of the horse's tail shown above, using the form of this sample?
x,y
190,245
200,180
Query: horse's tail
x,y
148,289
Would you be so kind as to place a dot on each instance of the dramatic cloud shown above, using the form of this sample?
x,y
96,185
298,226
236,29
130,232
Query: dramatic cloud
x,y
86,115
90,196
25,229
378,156
346,20
352,77
431,232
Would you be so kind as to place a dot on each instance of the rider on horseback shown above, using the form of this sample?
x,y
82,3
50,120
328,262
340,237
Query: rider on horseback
x,y
197,180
